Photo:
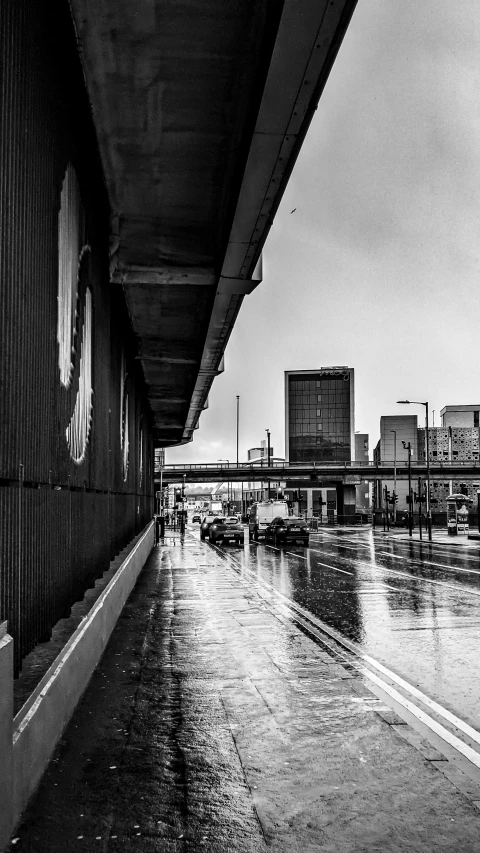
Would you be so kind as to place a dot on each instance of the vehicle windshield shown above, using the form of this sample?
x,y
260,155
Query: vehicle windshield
x,y
232,519
219,520
295,522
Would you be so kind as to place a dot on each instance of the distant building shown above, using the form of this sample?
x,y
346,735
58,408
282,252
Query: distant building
x,y
449,442
394,430
257,491
319,415
460,416
363,491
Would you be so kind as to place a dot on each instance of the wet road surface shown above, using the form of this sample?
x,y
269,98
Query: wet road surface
x,y
413,607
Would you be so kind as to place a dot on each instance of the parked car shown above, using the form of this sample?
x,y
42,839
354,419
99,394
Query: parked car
x,y
291,529
262,513
196,518
226,530
206,523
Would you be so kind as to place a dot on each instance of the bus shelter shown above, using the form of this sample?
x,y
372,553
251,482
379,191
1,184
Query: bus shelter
x,y
457,514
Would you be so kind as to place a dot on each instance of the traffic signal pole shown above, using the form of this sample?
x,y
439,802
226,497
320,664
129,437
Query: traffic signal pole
x,y
182,517
420,506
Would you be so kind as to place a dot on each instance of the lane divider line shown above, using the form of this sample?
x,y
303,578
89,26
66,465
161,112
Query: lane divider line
x,y
466,750
463,590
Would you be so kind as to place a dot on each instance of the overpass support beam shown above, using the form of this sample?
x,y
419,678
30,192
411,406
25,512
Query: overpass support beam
x,y
345,499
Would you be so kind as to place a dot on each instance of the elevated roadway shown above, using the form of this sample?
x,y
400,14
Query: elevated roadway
x,y
200,111
344,472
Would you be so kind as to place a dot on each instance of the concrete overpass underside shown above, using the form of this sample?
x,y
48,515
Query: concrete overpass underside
x,y
200,110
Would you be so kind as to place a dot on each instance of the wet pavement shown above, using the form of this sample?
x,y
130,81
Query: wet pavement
x,y
214,723
413,606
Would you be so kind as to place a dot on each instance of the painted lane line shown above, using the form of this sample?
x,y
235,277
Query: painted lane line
x,y
399,544
465,750
318,563
473,734
391,556
436,727
463,590
378,567
298,556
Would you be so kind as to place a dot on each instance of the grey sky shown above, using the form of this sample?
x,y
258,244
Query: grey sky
x,y
378,267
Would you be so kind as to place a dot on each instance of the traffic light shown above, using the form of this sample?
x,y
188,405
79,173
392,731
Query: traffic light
x,y
178,495
387,495
295,496
395,498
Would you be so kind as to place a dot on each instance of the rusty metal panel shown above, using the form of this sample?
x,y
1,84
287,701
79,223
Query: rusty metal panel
x,y
61,521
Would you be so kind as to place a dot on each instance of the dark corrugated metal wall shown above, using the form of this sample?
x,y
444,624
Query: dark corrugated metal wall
x,y
60,523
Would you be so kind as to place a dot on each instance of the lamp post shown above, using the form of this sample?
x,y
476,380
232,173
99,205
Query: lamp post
x,y
268,461
238,422
427,502
394,476
228,484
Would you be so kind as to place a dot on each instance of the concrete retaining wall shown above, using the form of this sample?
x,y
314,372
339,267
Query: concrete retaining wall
x,y
26,745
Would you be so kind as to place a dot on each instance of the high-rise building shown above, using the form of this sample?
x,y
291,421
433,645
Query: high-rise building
x,y
319,415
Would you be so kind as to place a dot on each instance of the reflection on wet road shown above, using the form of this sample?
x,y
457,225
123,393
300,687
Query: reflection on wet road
x,y
413,607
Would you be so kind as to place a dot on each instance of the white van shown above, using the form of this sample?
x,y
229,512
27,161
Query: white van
x,y
262,513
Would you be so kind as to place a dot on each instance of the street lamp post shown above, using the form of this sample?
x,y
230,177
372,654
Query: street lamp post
x,y
394,476
268,462
427,496
238,422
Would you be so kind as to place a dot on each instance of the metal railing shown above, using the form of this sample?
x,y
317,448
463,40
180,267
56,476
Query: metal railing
x,y
213,466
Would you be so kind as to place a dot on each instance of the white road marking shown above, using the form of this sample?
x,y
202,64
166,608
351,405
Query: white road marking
x,y
334,568
299,556
414,563
459,724
469,753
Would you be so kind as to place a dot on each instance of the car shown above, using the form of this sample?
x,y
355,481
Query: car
x,y
291,529
226,530
196,517
205,525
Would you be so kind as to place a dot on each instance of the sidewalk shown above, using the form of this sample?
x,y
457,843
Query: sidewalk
x,y
212,723
438,536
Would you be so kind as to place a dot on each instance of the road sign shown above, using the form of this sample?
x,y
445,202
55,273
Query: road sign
x,y
184,500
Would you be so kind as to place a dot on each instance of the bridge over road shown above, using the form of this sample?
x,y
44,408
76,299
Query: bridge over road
x,y
343,472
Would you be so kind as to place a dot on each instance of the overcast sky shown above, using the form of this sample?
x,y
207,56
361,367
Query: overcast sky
x,y
378,268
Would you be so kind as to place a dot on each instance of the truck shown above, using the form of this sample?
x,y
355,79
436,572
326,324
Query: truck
x,y
216,507
262,513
